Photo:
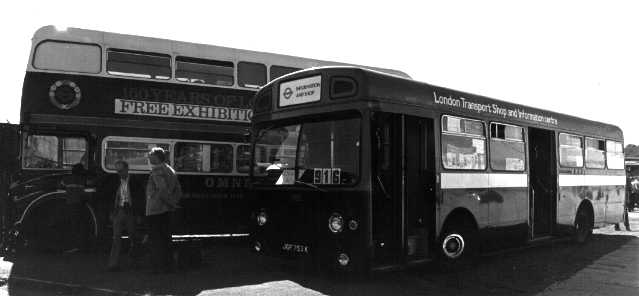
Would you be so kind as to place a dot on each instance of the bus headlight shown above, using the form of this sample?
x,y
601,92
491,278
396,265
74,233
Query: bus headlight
x,y
257,247
262,218
336,223
352,225
343,259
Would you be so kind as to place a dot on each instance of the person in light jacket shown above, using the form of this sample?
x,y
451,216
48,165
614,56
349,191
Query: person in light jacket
x,y
162,197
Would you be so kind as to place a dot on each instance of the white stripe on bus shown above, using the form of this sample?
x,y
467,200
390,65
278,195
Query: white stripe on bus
x,y
591,180
482,180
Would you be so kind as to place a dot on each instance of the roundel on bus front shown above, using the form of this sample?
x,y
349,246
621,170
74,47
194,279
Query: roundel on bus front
x,y
65,94
288,92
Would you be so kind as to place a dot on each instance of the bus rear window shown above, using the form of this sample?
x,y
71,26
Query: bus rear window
x,y
204,71
251,75
133,151
614,155
570,151
136,64
279,71
53,152
70,57
463,144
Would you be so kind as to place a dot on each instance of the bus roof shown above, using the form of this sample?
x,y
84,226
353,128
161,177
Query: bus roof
x,y
177,48
381,89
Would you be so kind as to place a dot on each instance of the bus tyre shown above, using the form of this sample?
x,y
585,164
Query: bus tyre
x,y
583,225
458,246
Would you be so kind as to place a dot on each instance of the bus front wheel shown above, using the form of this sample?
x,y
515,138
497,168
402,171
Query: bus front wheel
x,y
458,245
50,228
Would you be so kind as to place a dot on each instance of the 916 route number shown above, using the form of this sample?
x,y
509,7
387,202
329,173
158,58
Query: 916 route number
x,y
295,248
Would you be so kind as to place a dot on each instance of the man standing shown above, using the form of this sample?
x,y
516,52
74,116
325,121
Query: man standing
x,y
162,197
630,189
128,197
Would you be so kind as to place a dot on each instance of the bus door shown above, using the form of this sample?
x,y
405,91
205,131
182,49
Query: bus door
x,y
403,198
543,182
419,186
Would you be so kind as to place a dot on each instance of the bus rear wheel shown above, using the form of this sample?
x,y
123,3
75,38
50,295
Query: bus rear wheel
x,y
458,246
583,225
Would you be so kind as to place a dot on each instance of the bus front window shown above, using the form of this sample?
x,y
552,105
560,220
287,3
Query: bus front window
x,y
321,153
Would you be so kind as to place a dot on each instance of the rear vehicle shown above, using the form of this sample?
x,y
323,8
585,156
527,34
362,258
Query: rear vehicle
x,y
93,98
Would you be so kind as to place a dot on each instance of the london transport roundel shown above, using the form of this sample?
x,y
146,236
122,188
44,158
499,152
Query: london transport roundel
x,y
65,94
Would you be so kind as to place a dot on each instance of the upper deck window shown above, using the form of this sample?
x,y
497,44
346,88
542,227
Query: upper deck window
x,y
279,71
138,64
507,151
571,151
53,152
68,57
204,71
595,153
251,75
463,143
614,155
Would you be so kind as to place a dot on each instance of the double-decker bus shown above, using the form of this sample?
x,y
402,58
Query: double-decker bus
x,y
94,98
360,170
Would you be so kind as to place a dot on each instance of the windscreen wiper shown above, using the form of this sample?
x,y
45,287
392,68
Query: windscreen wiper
x,y
310,185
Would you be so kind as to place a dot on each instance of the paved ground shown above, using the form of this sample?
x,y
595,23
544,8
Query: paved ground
x,y
608,265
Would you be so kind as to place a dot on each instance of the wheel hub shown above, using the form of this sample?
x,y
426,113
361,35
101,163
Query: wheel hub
x,y
453,245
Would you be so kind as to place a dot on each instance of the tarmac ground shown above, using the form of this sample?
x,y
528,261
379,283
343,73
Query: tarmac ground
x,y
607,265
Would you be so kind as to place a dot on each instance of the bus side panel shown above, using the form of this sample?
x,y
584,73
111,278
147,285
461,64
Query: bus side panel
x,y
465,198
607,202
615,199
508,206
567,203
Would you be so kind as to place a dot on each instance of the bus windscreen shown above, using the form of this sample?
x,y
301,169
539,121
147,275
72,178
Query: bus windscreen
x,y
320,152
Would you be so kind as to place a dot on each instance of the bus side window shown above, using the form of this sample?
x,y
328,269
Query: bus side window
x,y
52,152
243,161
278,71
134,151
463,143
68,57
221,158
191,157
595,153
507,151
251,75
571,151
614,155
204,71
138,64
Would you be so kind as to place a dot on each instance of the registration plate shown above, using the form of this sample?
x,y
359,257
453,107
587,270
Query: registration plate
x,y
295,248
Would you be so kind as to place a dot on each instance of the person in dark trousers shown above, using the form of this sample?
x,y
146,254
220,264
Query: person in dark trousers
x,y
162,197
128,199
74,185
630,189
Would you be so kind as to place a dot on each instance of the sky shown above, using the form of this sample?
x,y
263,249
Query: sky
x,y
574,57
